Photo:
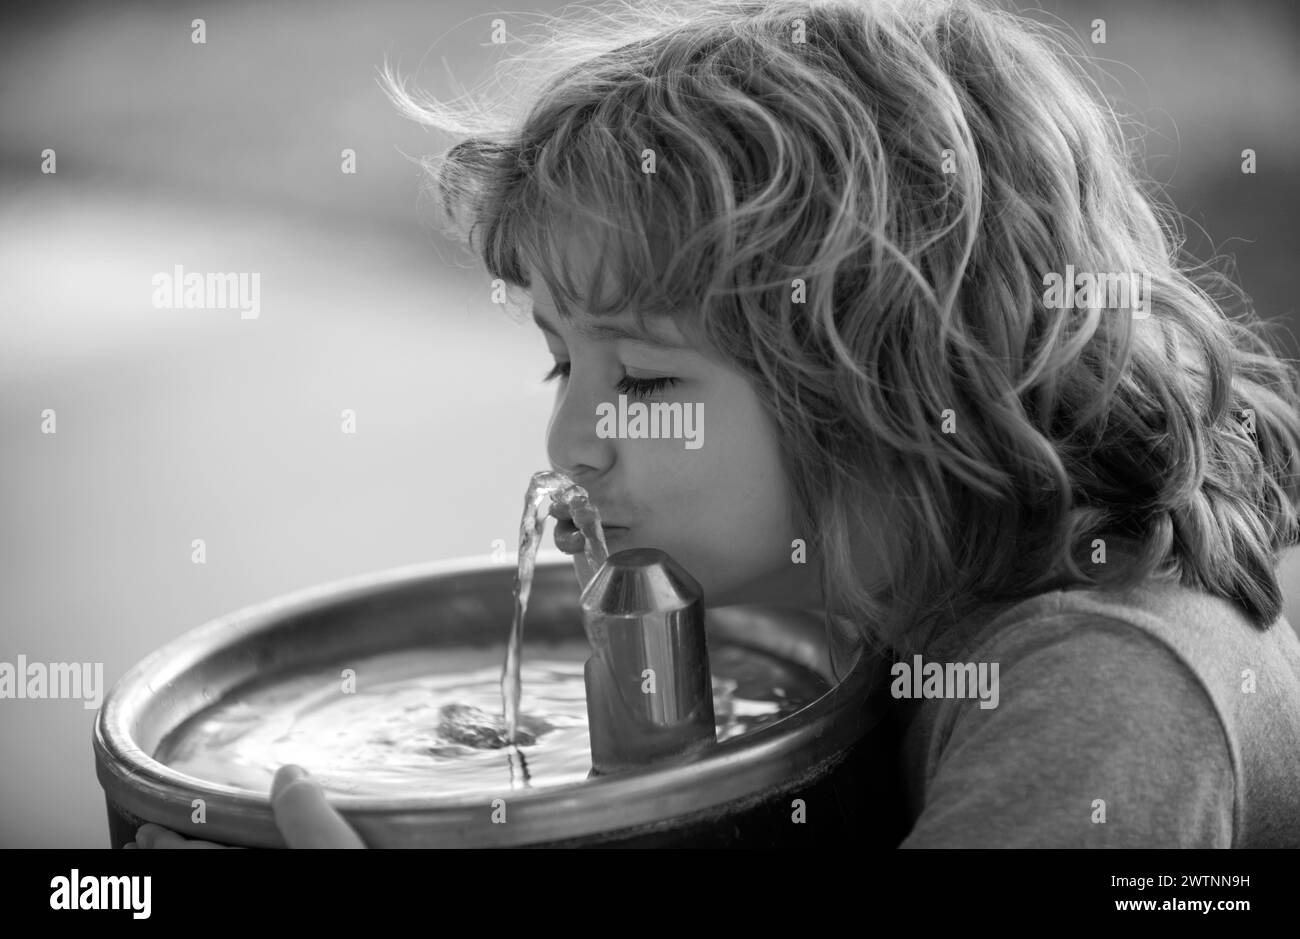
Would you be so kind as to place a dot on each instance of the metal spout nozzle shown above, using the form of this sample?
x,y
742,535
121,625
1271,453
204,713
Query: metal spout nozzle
x,y
649,688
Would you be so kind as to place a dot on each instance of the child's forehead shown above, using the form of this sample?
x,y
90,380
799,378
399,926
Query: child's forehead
x,y
657,330
578,260
609,295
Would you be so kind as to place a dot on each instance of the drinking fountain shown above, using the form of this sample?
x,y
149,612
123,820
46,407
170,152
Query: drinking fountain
x,y
649,688
823,775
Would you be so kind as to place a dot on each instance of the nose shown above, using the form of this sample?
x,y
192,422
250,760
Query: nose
x,y
571,442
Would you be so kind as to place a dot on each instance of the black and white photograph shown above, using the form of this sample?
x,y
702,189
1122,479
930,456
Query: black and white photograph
x,y
817,426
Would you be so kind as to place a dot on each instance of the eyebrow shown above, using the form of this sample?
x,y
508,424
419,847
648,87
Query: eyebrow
x,y
599,332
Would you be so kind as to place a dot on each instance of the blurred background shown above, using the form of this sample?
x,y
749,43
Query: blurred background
x,y
176,425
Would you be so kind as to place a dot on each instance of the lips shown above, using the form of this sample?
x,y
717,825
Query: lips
x,y
570,540
566,526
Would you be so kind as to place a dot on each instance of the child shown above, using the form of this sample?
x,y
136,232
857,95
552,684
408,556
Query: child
x,y
960,396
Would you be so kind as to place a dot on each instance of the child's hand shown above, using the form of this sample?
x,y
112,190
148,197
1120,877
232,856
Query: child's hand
x,y
303,816
150,835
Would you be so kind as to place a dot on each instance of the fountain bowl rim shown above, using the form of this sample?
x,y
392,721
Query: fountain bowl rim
x,y
797,746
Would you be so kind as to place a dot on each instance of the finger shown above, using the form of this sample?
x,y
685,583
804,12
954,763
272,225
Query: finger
x,y
155,836
304,817
560,510
148,833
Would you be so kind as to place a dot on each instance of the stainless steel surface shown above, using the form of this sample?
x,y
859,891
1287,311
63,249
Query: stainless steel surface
x,y
649,689
455,603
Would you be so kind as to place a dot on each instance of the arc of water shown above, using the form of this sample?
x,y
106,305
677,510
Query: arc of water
x,y
558,488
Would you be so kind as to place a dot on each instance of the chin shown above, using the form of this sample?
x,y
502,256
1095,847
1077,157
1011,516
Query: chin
x,y
731,594
773,589
731,591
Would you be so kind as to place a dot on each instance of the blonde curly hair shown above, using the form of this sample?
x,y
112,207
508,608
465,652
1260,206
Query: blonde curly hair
x,y
914,170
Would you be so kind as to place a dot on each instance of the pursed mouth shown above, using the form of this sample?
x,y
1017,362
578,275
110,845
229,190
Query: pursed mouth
x,y
569,539
567,526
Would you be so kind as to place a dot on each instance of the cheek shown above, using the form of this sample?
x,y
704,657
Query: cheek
x,y
735,527
729,567
754,493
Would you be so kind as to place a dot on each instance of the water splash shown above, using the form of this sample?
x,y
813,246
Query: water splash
x,y
556,487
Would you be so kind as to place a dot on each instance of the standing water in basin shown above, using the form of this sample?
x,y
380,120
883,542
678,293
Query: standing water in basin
x,y
426,722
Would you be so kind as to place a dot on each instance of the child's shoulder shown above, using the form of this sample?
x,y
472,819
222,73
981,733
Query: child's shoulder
x,y
1209,635
1158,693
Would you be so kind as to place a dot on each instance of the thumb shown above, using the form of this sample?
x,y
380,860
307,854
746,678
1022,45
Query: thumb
x,y
303,816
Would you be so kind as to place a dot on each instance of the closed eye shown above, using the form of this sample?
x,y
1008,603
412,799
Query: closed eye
x,y
633,387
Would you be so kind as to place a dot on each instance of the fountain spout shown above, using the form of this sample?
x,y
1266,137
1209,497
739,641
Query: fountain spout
x,y
649,688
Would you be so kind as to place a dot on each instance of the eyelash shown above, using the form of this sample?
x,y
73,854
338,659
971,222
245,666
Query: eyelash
x,y
633,387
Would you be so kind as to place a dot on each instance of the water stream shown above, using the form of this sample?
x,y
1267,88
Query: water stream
x,y
542,487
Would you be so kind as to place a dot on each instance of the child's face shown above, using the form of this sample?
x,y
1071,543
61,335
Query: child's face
x,y
721,510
